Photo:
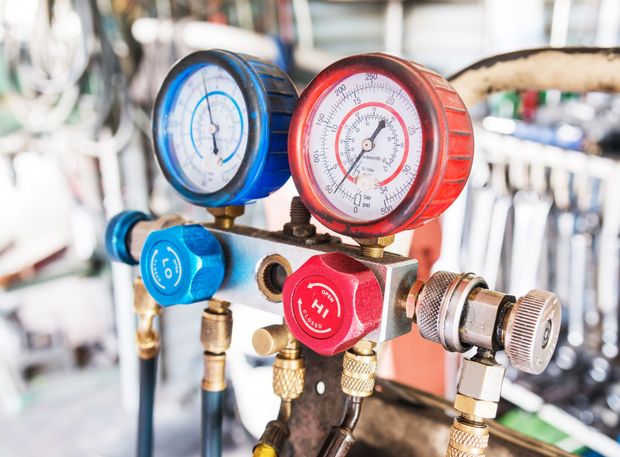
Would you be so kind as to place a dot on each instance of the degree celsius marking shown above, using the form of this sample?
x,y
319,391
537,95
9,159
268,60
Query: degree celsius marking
x,y
364,146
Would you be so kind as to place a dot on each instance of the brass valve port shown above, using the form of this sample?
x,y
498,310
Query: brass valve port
x,y
288,383
478,394
225,216
358,370
215,336
145,307
374,247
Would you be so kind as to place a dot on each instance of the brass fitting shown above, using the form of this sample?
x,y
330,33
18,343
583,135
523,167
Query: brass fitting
x,y
216,328
288,383
145,307
374,247
288,377
358,370
288,368
214,377
478,394
271,339
469,436
226,215
215,336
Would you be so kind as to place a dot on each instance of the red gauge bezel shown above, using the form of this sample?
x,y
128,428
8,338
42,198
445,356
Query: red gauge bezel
x,y
436,103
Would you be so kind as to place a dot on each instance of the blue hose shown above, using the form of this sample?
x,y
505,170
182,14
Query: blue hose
x,y
212,413
148,378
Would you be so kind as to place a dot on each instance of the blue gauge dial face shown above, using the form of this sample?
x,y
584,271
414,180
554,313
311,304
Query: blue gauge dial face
x,y
207,128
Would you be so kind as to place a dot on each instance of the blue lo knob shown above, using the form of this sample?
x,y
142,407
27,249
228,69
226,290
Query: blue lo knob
x,y
117,235
182,265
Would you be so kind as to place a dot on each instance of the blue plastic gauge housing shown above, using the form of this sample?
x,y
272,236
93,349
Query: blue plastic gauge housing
x,y
220,128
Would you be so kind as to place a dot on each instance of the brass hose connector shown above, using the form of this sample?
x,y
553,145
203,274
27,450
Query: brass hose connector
x,y
215,336
469,436
358,370
374,247
225,216
145,307
288,368
359,365
288,383
478,394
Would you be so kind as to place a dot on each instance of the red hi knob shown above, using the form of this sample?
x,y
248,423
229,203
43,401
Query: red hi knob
x,y
331,302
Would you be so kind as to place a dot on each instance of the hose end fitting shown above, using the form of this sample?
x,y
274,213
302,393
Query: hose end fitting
x,y
146,308
216,328
273,439
358,370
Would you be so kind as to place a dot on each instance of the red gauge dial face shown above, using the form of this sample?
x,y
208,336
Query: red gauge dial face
x,y
379,145
364,146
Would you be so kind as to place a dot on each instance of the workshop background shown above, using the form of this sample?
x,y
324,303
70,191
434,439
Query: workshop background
x,y
77,84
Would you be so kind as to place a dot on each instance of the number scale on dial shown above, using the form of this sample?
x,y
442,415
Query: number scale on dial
x,y
209,133
365,141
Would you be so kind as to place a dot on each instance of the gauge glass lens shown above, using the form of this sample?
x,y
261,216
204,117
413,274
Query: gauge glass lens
x,y
207,128
364,146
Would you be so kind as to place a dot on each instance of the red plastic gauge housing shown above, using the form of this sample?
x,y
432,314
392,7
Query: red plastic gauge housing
x,y
378,145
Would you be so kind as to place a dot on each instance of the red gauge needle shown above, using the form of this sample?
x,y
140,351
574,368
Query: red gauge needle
x,y
367,145
212,127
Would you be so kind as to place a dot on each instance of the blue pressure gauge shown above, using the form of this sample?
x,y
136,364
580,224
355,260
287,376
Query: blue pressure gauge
x,y
220,128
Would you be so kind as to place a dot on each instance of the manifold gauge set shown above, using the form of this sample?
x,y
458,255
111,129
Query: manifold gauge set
x,y
375,145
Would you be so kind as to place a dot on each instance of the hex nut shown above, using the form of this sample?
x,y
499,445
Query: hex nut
x,y
227,211
299,230
479,408
381,241
481,380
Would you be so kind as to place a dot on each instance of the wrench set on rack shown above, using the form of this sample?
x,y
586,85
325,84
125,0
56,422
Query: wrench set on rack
x,y
535,215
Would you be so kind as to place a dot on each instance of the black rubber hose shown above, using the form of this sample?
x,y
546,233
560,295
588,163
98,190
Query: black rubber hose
x,y
148,378
212,414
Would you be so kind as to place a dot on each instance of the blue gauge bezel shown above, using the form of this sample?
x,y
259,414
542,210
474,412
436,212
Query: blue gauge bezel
x,y
240,189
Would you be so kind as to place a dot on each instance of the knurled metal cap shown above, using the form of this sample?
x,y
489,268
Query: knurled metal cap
x,y
532,331
467,440
358,374
288,377
429,303
216,330
271,339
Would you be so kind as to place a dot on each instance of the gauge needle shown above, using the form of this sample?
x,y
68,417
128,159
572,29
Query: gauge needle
x,y
212,128
367,145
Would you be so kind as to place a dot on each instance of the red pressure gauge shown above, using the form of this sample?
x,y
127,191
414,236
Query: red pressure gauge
x,y
379,145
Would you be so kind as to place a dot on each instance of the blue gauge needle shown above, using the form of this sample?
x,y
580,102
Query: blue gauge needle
x,y
367,145
213,127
